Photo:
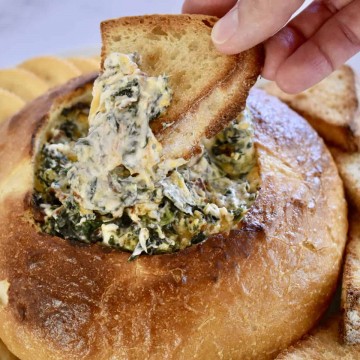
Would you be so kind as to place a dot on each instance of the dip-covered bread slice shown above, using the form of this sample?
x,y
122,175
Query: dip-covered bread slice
x,y
209,89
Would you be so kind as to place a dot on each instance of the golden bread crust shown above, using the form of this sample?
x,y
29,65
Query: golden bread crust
x,y
245,296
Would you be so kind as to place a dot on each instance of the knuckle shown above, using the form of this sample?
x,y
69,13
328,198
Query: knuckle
x,y
269,12
325,57
350,34
331,6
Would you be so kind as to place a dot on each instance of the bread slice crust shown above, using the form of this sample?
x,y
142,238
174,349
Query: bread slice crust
x,y
67,300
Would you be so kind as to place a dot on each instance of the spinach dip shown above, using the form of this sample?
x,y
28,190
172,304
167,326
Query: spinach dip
x,y
100,175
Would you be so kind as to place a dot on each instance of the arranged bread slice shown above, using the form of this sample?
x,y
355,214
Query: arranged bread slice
x,y
323,343
53,70
23,83
209,89
5,354
349,168
351,284
85,65
331,107
97,58
9,104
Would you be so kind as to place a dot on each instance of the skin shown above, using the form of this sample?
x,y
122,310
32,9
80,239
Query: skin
x,y
298,54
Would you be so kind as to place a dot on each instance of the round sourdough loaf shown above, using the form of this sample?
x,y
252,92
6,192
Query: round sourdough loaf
x,y
243,296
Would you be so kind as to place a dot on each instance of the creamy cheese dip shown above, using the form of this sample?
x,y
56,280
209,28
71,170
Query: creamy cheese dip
x,y
106,180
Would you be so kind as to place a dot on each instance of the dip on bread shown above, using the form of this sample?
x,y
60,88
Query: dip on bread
x,y
111,182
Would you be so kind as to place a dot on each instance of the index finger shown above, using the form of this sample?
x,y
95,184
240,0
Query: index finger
x,y
250,22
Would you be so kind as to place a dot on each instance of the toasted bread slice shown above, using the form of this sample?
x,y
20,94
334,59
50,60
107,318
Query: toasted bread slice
x,y
5,354
85,65
331,107
323,343
351,284
97,58
23,83
349,168
9,104
210,89
54,71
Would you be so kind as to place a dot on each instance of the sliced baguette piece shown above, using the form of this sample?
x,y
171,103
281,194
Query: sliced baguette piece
x,y
53,70
85,65
23,83
97,58
5,354
10,103
323,343
209,89
351,284
349,168
331,107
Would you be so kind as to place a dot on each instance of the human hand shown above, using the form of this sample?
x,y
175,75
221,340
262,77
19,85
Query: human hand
x,y
312,45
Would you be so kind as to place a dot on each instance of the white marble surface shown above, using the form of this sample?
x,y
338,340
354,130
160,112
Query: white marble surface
x,y
56,27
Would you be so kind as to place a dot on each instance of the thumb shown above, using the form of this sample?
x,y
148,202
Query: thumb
x,y
250,22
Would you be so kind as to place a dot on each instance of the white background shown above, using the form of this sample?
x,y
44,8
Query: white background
x,y
60,27
47,27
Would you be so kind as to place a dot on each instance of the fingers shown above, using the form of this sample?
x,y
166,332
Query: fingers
x,y
310,47
279,48
316,14
286,41
251,22
332,45
209,7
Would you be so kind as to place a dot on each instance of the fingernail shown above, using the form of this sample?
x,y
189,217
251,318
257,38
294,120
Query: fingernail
x,y
226,27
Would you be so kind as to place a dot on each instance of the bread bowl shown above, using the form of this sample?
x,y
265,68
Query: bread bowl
x,y
247,295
